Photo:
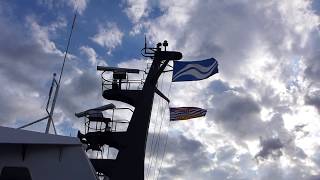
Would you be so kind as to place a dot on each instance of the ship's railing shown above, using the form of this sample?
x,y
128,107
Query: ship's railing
x,y
112,124
120,124
95,126
109,83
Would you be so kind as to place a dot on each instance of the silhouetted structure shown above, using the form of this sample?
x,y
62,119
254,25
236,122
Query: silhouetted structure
x,y
129,163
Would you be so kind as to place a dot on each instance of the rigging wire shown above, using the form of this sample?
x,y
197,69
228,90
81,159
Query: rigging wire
x,y
166,134
166,138
152,140
157,147
154,160
157,134
153,134
159,137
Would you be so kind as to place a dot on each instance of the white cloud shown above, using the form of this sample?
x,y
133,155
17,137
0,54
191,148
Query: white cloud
x,y
136,9
42,34
27,56
262,49
109,36
76,5
268,83
92,56
90,53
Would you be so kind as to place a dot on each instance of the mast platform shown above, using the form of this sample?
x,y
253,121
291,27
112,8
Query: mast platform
x,y
127,96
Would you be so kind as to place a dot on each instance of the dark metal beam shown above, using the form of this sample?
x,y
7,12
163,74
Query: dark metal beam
x,y
162,95
101,108
104,68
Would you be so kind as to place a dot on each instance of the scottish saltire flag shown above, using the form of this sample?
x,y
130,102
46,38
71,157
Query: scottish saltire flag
x,y
184,113
194,70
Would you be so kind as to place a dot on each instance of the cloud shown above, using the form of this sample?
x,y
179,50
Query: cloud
x,y
244,120
188,158
26,57
90,53
76,5
108,36
270,148
313,99
81,91
316,6
136,9
268,57
41,34
265,52
93,57
235,111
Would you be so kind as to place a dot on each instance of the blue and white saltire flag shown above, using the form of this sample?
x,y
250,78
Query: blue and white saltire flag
x,y
194,70
184,113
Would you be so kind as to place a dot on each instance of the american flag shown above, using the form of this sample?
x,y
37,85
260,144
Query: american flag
x,y
184,113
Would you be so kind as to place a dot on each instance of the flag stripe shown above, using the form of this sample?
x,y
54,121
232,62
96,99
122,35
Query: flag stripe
x,y
184,113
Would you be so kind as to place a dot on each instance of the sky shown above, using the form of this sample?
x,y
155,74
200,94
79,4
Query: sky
x,y
263,119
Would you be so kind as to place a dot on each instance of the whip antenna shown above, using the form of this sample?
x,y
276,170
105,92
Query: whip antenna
x,y
60,76
55,86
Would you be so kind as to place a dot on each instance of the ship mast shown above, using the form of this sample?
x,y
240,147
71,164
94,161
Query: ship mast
x,y
130,160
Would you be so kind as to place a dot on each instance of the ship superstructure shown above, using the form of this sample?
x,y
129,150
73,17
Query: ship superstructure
x,y
131,144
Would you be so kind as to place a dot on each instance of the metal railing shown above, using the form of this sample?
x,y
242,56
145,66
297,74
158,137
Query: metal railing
x,y
114,125
123,84
108,84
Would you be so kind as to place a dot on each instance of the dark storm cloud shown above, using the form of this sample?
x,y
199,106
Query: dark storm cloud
x,y
316,156
313,99
188,155
82,92
270,148
224,163
184,147
188,158
236,112
313,66
312,70
239,114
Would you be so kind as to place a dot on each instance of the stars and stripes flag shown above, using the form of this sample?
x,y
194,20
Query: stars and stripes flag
x,y
194,70
184,113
